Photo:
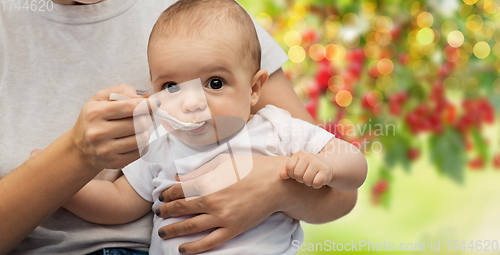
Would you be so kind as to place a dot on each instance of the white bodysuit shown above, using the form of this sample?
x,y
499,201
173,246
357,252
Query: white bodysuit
x,y
271,132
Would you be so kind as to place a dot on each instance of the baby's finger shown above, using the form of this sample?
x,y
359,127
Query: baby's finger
x,y
300,169
284,174
309,175
290,166
320,180
34,152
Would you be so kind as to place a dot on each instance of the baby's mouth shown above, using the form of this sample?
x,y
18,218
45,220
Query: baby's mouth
x,y
198,130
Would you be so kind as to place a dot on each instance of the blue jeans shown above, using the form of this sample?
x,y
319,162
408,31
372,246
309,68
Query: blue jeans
x,y
117,251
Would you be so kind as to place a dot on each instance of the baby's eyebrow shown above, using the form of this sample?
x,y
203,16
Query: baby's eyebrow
x,y
216,68
164,76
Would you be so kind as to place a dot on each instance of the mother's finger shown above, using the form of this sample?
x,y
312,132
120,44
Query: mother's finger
x,y
117,161
113,110
173,193
214,239
123,89
193,225
128,126
223,176
180,207
130,143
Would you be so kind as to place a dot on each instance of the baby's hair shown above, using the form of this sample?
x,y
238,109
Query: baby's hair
x,y
193,18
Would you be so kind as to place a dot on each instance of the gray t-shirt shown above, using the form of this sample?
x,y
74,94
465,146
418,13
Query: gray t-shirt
x,y
51,63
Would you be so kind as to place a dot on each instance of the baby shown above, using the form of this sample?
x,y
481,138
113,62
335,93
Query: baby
x,y
204,58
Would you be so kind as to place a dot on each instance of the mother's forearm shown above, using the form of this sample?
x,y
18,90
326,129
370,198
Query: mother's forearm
x,y
316,205
33,191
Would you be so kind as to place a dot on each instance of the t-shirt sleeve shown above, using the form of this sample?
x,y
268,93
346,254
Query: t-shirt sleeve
x,y
272,56
295,134
140,176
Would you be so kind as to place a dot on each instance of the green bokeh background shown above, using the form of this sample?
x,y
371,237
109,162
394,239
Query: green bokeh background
x,y
422,205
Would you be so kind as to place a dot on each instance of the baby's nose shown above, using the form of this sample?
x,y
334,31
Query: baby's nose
x,y
193,102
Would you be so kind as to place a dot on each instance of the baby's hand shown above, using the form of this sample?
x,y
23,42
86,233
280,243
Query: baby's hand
x,y
308,168
33,154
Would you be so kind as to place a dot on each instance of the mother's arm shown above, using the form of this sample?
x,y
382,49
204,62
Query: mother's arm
x,y
103,137
279,92
261,193
325,205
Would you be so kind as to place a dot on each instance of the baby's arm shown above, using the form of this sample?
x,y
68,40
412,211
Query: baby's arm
x,y
339,165
105,202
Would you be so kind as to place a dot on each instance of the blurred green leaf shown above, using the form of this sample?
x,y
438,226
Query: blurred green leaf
x,y
447,153
396,148
385,197
480,144
326,110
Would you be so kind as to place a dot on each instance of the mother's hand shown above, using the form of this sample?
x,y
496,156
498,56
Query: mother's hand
x,y
231,211
105,132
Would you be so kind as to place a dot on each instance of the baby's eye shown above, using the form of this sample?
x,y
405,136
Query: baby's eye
x,y
171,87
215,83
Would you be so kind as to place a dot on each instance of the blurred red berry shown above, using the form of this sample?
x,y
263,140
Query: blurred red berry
x,y
381,186
357,55
450,114
376,110
422,110
355,68
496,161
395,32
330,127
468,144
403,97
426,125
438,128
412,119
350,79
404,59
486,110
312,107
322,77
399,97
314,91
435,118
413,154
356,143
309,36
365,102
373,71
414,130
476,163
394,108
462,125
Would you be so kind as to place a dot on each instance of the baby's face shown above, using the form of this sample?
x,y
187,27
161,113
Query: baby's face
x,y
223,98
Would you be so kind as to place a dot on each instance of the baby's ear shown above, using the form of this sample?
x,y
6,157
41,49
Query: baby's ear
x,y
258,81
